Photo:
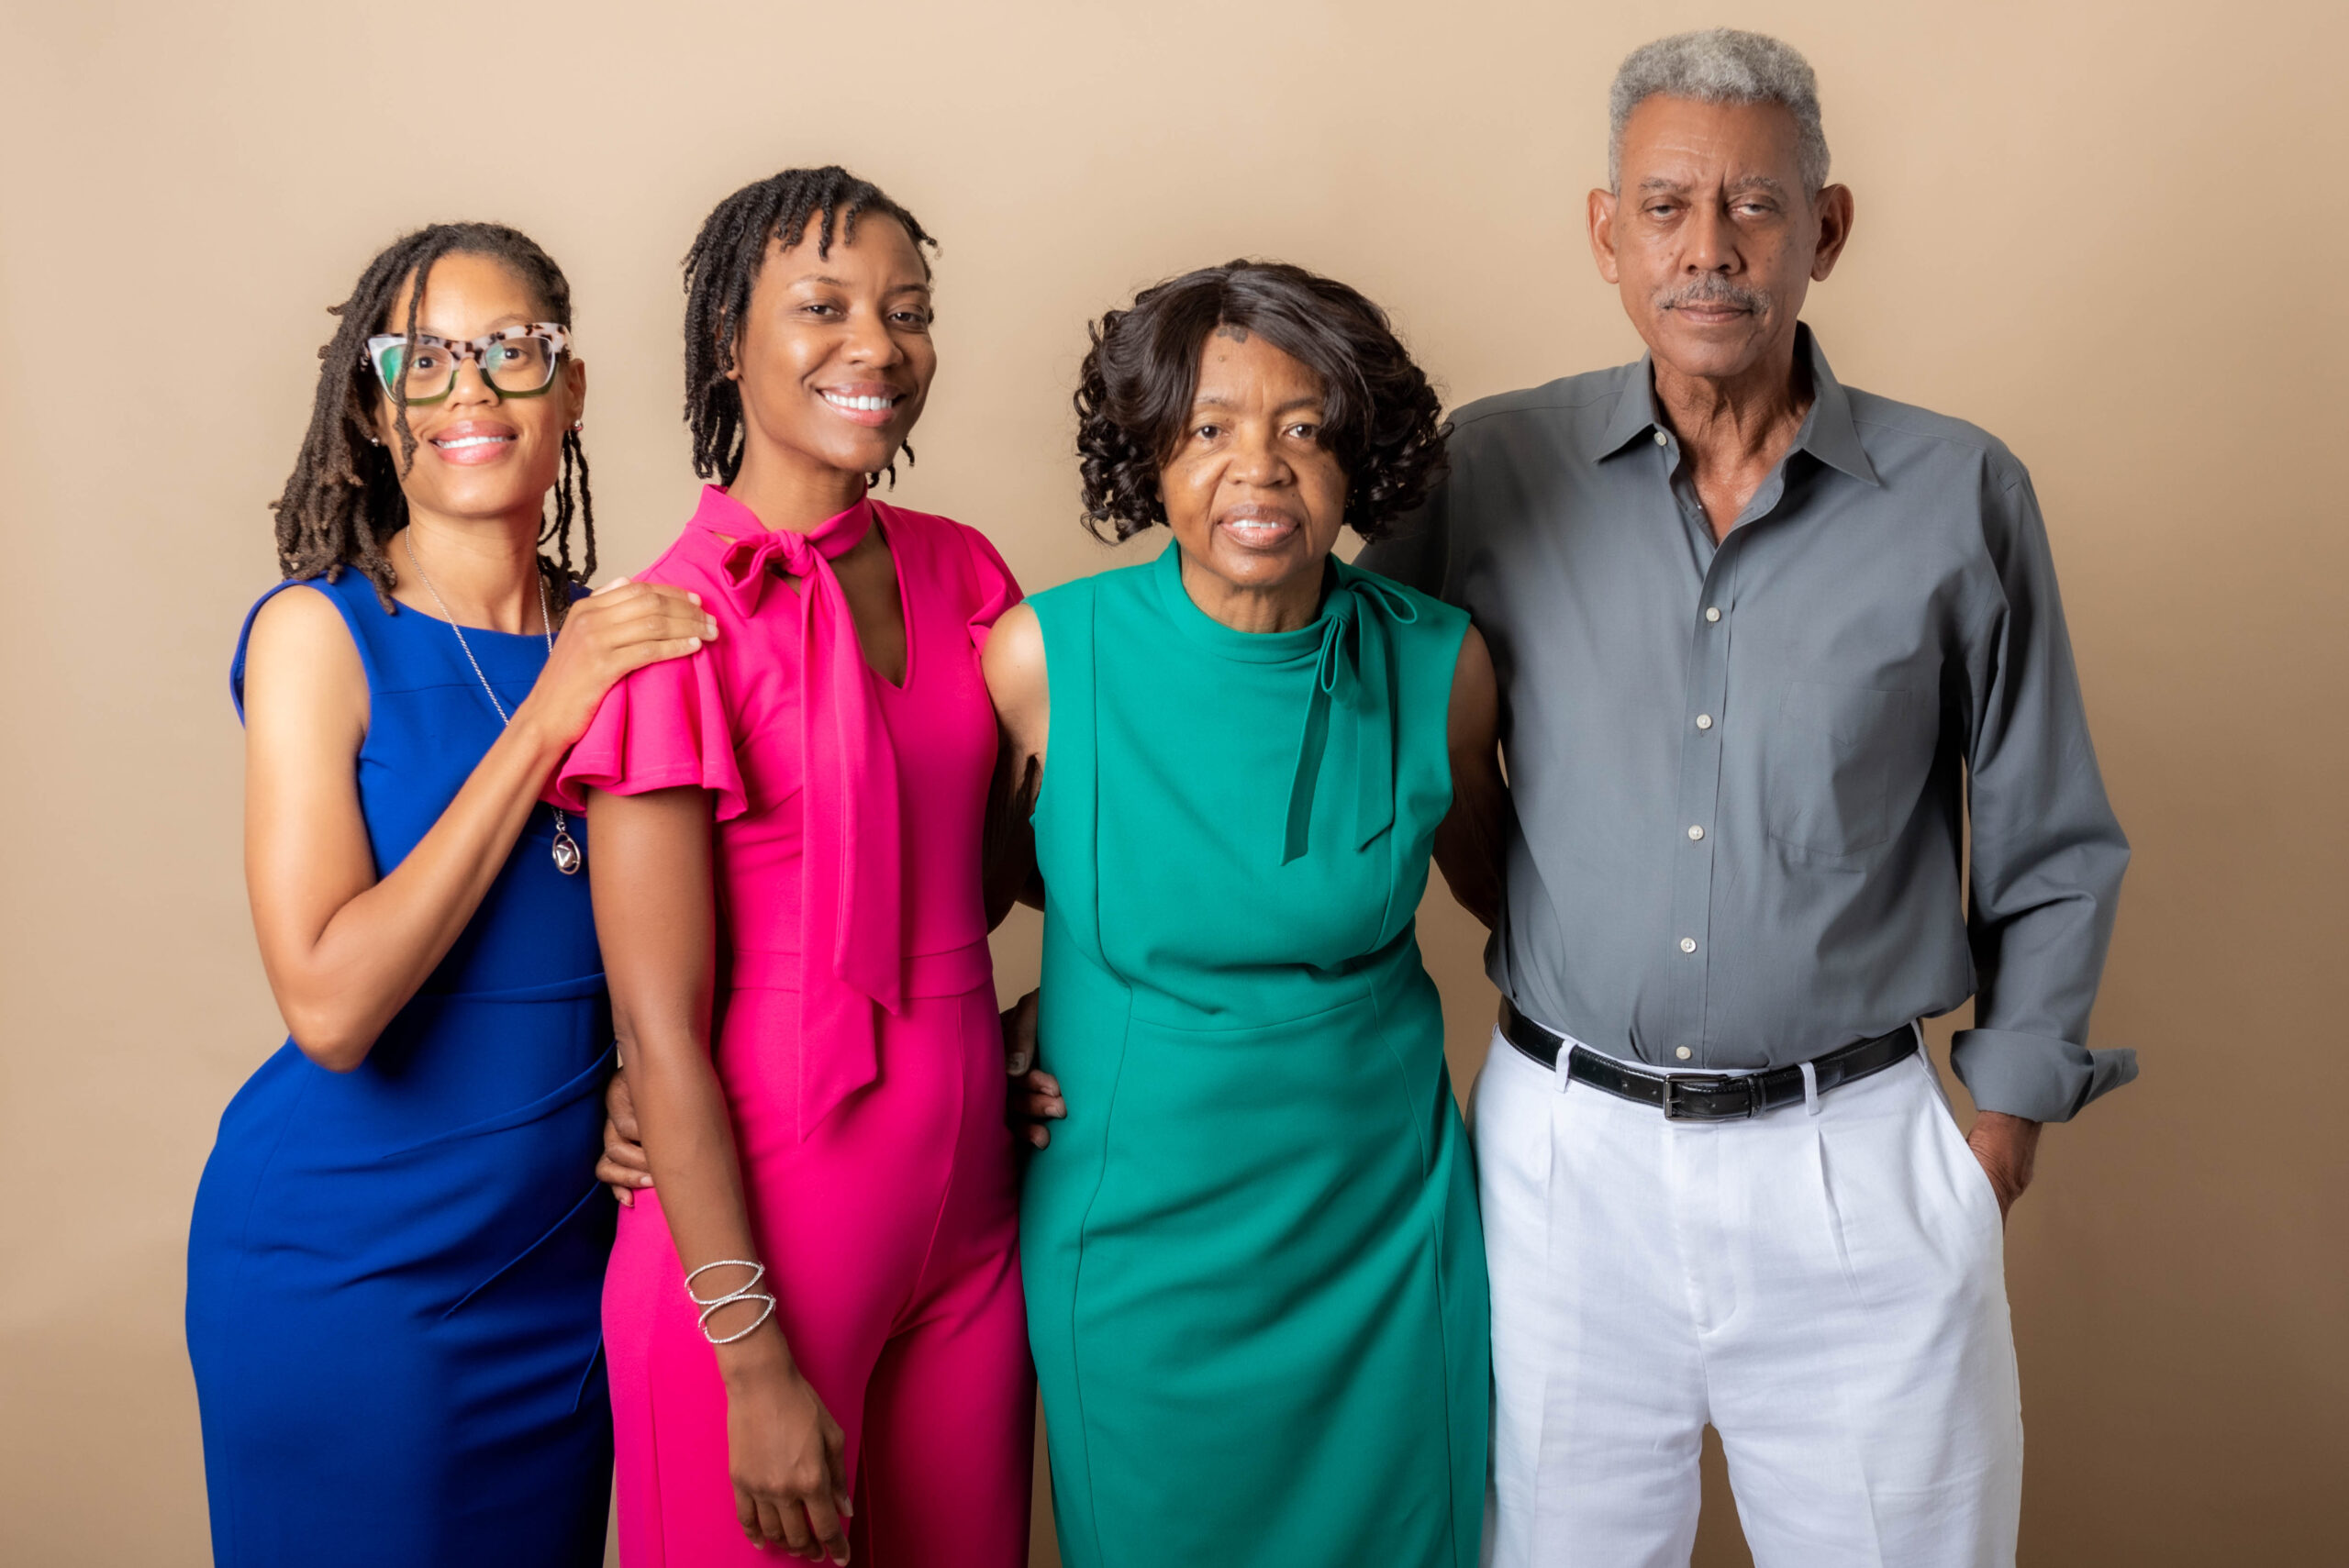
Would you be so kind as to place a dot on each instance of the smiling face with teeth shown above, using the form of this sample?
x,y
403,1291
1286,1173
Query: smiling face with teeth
x,y
834,358
1253,494
480,457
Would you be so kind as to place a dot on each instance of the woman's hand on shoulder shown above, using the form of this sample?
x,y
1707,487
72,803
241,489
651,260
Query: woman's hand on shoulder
x,y
619,627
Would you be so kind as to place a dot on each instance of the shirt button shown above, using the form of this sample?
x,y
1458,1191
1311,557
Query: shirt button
x,y
1694,832
1704,721
1712,612
1661,440
1681,1053
1687,944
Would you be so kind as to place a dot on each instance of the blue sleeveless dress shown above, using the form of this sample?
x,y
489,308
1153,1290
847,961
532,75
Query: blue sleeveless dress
x,y
394,1273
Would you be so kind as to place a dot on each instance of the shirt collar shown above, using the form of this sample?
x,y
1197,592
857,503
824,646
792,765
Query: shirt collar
x,y
1828,432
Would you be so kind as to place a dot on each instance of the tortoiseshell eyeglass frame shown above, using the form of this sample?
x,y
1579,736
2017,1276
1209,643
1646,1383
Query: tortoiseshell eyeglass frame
x,y
383,344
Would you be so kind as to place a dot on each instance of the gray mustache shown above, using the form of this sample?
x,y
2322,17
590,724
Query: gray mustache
x,y
1718,291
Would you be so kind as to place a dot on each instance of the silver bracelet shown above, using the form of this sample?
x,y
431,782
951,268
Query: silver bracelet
x,y
747,1291
758,1273
765,1313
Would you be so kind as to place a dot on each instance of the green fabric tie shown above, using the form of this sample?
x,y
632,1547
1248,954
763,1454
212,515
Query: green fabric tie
x,y
1354,638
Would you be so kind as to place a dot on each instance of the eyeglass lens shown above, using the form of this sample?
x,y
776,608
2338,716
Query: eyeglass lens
x,y
512,364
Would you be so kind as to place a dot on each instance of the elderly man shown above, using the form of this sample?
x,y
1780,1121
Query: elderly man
x,y
1766,644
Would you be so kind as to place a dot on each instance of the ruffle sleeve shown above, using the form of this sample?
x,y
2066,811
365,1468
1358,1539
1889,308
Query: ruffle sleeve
x,y
998,590
662,727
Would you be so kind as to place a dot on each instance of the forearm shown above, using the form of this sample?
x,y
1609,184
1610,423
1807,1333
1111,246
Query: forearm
x,y
655,916
341,990
689,1143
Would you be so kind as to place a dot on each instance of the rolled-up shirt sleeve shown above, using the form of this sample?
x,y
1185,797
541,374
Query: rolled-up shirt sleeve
x,y
2048,854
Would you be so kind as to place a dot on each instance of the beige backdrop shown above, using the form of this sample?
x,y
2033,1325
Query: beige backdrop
x,y
2112,233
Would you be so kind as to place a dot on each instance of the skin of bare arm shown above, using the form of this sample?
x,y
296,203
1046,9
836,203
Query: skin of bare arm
x,y
655,920
1472,841
344,951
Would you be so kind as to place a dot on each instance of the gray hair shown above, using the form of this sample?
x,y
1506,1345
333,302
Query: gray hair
x,y
1721,65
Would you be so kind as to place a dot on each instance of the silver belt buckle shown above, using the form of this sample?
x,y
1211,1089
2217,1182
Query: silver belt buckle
x,y
1674,1106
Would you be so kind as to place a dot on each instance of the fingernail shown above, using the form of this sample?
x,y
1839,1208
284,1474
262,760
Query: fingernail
x,y
644,1181
694,597
628,1200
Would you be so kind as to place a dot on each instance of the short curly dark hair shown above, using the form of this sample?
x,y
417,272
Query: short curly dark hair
x,y
1383,421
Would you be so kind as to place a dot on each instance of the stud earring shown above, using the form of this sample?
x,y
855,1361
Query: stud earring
x,y
578,424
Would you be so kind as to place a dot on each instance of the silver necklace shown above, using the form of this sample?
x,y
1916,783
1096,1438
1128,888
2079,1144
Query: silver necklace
x,y
567,858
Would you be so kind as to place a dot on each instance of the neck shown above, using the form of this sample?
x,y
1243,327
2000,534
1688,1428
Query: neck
x,y
1276,606
1736,421
788,490
487,569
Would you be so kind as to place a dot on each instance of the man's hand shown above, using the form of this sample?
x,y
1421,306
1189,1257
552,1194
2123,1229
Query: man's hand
x,y
623,1168
1035,1096
2008,1146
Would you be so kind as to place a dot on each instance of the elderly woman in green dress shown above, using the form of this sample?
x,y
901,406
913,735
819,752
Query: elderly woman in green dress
x,y
1255,1280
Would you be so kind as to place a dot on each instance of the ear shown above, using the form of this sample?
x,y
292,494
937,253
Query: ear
x,y
1601,215
1833,209
574,388
382,420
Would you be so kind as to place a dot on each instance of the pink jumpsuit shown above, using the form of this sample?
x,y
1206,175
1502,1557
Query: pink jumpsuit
x,y
856,1038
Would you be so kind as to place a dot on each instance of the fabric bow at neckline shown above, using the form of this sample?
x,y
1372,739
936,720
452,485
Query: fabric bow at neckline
x,y
1353,641
852,891
752,560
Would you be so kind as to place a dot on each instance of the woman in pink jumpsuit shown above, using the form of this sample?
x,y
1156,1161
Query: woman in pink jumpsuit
x,y
789,833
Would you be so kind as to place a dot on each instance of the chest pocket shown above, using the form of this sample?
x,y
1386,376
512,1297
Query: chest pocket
x,y
1839,764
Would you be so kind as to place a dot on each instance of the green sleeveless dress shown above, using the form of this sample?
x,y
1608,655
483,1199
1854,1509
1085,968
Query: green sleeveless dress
x,y
1255,1277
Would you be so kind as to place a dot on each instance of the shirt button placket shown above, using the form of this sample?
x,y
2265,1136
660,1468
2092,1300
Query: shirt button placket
x,y
1701,774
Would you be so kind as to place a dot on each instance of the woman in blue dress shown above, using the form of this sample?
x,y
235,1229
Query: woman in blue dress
x,y
395,1265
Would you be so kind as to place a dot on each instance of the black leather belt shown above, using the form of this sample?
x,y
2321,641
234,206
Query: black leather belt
x,y
1699,1096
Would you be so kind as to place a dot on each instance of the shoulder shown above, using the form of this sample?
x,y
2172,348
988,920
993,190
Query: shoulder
x,y
929,531
689,562
1896,435
1012,662
1562,404
1431,615
953,548
299,657
303,620
1080,594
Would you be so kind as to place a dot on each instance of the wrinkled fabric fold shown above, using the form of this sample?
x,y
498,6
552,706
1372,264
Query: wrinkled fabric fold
x,y
851,916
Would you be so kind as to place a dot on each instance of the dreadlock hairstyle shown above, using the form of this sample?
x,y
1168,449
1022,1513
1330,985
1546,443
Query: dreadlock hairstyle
x,y
723,265
344,499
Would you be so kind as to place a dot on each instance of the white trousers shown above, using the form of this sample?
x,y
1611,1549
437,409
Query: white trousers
x,y
1828,1290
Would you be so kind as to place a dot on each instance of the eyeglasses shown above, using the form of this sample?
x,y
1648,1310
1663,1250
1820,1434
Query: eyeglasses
x,y
516,362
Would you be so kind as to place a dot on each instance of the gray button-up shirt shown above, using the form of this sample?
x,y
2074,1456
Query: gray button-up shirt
x,y
1741,774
